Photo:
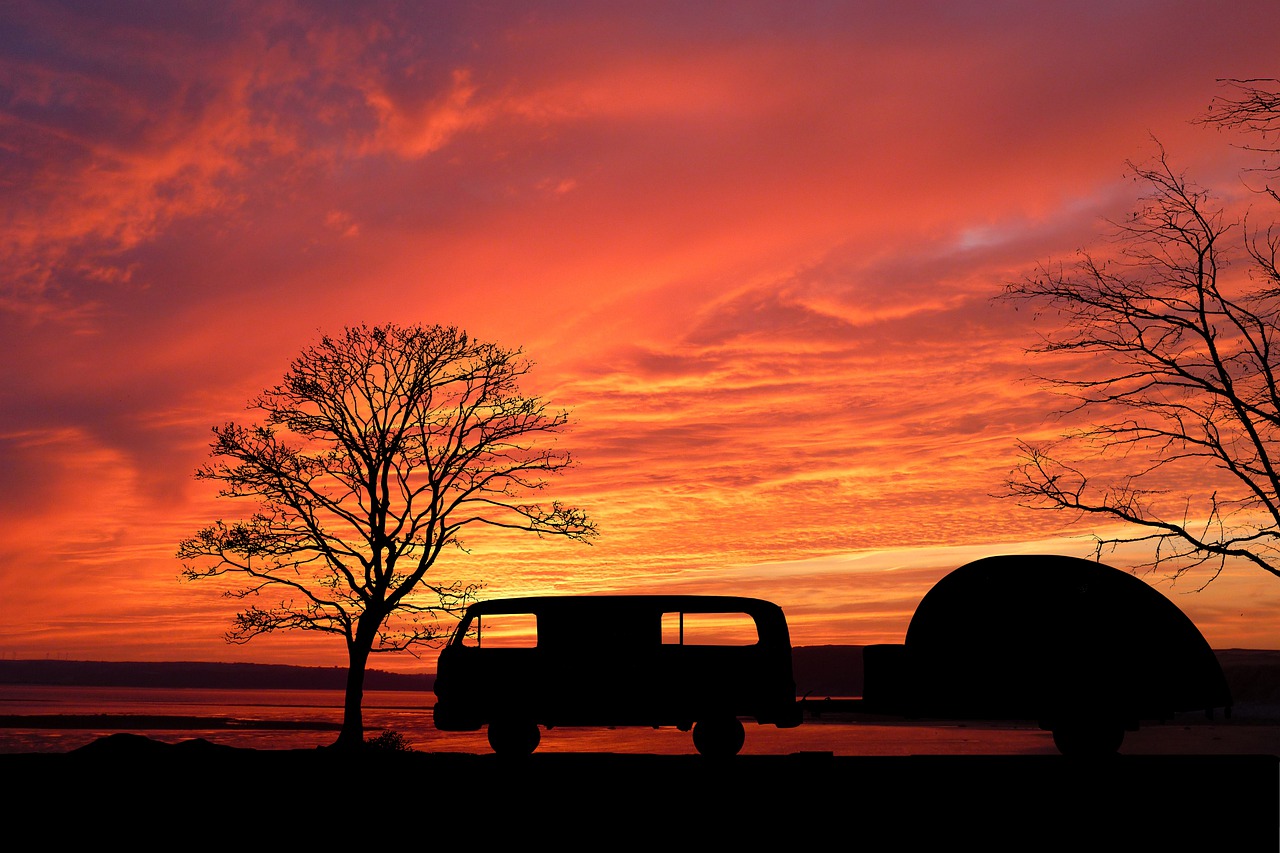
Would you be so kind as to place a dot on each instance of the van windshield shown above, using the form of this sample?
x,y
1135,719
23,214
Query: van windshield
x,y
500,631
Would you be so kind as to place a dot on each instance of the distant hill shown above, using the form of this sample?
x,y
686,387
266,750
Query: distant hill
x,y
822,670
236,676
827,670
1253,675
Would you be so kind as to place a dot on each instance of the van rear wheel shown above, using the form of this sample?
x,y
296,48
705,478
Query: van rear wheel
x,y
719,737
514,737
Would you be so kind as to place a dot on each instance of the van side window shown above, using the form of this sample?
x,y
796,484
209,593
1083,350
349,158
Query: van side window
x,y
708,629
502,631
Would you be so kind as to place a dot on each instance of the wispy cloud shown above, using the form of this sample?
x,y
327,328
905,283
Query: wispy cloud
x,y
754,248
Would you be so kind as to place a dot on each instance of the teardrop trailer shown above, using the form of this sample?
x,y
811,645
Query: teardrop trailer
x,y
1084,649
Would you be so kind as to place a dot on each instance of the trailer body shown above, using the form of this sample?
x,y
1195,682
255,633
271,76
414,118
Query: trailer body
x,y
1086,650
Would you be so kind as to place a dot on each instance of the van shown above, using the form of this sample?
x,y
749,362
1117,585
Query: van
x,y
695,662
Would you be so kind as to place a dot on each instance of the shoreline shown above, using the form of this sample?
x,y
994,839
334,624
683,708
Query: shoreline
x,y
814,797
843,734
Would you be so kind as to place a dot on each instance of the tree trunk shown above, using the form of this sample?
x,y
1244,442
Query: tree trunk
x,y
352,734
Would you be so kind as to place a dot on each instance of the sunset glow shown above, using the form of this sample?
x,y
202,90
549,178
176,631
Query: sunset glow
x,y
753,247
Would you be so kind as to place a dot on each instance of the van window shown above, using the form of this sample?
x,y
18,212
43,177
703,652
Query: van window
x,y
502,631
709,629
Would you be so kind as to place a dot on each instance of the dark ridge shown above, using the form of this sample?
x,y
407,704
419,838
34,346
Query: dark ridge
x,y
827,670
155,722
233,676
1254,675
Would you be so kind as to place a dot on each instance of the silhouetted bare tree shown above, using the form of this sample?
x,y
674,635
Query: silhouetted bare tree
x,y
1181,378
374,452
1253,106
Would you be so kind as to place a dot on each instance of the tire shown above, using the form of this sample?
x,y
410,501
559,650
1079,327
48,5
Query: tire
x,y
516,738
719,737
1088,739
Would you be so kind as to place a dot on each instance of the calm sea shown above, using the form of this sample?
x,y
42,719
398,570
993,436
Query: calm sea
x,y
405,712
409,714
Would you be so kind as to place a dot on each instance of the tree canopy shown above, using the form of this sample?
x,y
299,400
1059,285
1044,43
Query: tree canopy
x,y
372,455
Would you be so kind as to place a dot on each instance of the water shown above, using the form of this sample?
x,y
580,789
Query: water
x,y
404,712
297,713
303,718
409,714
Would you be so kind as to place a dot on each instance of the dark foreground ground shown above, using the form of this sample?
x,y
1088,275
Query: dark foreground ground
x,y
129,788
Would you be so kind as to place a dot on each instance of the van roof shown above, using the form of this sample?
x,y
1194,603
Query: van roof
x,y
666,603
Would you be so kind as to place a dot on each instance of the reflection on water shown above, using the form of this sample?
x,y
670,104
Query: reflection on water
x,y
409,714
406,712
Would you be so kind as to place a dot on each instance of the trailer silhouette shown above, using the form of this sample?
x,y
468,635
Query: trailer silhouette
x,y
1085,650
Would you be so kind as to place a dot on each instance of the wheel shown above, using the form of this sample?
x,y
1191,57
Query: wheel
x,y
513,737
719,737
1088,738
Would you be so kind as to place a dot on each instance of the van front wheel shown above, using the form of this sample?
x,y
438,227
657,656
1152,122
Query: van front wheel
x,y
719,737
514,737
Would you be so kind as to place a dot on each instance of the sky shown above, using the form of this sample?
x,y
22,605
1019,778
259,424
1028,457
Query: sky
x,y
753,247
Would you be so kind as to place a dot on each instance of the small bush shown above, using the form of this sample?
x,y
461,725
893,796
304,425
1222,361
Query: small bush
x,y
388,741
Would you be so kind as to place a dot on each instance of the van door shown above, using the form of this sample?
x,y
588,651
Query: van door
x,y
710,662
599,663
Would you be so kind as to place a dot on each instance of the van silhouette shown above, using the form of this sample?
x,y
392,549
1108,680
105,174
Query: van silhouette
x,y
690,661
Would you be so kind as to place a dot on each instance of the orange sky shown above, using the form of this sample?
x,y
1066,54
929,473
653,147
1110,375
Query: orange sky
x,y
752,245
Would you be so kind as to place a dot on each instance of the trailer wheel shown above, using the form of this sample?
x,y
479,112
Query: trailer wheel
x,y
1087,738
719,737
514,737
